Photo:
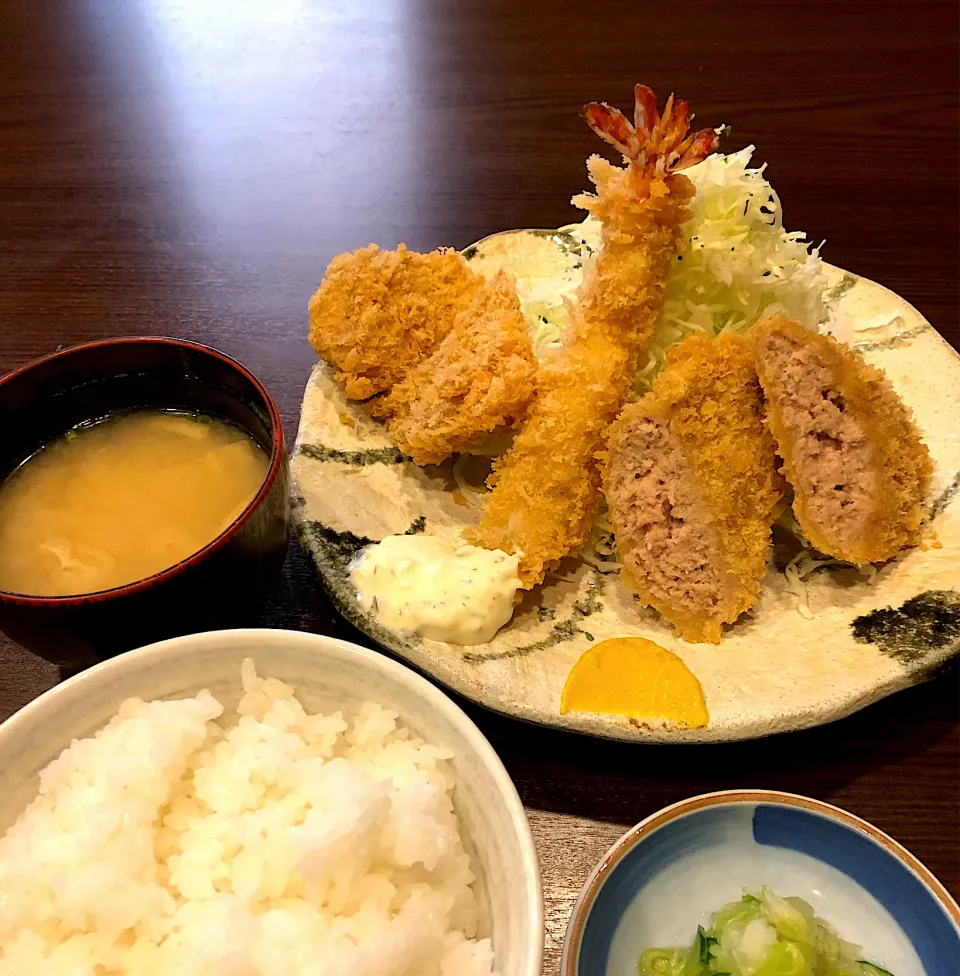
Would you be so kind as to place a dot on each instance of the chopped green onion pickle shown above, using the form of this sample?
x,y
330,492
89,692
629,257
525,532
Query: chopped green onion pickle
x,y
762,935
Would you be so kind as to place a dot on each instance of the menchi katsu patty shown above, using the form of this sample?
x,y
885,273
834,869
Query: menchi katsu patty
x,y
691,482
851,451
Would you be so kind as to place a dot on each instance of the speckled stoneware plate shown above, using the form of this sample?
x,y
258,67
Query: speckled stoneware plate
x,y
775,670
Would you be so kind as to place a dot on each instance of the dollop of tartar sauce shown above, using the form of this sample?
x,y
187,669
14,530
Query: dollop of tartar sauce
x,y
423,584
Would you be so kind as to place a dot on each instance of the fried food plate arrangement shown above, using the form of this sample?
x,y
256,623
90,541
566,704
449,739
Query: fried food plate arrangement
x,y
661,475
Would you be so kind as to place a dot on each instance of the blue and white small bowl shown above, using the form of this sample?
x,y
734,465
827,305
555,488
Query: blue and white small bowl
x,y
670,872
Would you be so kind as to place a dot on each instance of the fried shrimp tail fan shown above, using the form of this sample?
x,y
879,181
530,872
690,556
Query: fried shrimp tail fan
x,y
545,489
851,451
691,481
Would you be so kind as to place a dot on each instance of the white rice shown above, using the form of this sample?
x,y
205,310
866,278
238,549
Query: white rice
x,y
289,844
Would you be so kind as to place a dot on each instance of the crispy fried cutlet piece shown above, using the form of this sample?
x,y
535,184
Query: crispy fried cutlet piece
x,y
544,499
481,377
546,487
851,451
378,313
691,481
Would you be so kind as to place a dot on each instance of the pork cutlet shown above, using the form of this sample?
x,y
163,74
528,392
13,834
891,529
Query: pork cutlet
x,y
378,313
480,378
440,353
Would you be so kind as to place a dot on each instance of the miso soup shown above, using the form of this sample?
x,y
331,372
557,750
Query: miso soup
x,y
123,499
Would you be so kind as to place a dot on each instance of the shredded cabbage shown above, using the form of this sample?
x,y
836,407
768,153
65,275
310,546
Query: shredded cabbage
x,y
542,300
808,560
762,935
736,264
600,549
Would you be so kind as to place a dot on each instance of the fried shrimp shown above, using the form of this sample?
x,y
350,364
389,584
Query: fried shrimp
x,y
544,497
692,485
481,377
378,313
851,451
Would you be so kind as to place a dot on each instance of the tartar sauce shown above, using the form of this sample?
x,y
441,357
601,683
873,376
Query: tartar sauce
x,y
423,584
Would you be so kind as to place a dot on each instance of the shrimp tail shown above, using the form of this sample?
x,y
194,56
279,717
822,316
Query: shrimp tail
x,y
653,143
613,127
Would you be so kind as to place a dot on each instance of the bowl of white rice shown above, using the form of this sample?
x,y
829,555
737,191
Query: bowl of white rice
x,y
258,803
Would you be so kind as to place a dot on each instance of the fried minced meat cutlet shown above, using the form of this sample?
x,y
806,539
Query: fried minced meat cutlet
x,y
851,451
378,313
480,378
691,482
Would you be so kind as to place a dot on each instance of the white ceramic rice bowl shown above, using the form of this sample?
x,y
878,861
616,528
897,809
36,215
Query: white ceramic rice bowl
x,y
327,674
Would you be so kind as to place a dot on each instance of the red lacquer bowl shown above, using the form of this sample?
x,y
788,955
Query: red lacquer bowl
x,y
219,586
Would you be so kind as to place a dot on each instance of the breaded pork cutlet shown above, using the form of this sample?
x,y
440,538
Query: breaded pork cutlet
x,y
378,313
480,378
691,481
444,354
851,451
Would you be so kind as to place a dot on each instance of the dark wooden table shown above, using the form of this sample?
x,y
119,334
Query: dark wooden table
x,y
189,168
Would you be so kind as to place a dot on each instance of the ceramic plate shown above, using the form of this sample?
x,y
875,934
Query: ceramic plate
x,y
779,668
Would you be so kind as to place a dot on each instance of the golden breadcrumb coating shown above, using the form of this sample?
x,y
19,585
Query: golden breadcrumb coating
x,y
545,487
481,377
851,451
691,481
378,313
